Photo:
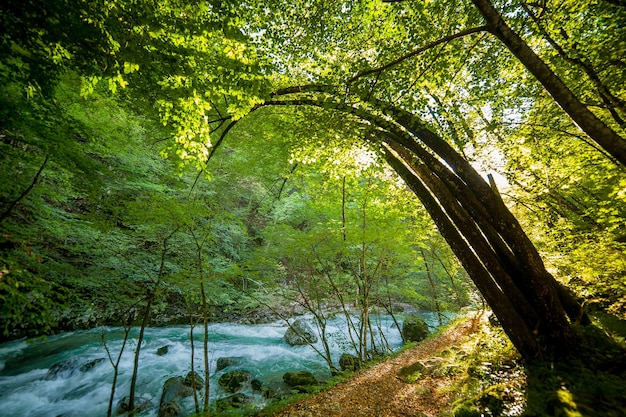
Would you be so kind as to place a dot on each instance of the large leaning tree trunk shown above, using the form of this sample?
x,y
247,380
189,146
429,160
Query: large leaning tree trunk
x,y
536,312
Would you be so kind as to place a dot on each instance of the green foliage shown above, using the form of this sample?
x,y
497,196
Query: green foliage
x,y
466,410
27,300
101,223
183,58
96,90
574,214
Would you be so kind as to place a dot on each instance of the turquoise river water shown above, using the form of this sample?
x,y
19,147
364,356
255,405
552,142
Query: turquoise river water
x,y
28,390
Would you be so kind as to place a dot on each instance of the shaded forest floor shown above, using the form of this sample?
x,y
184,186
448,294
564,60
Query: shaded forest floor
x,y
471,370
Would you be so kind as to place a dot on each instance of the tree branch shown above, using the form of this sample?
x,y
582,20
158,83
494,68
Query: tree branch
x,y
24,193
213,149
418,51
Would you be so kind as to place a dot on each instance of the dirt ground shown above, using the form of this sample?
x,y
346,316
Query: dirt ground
x,y
380,392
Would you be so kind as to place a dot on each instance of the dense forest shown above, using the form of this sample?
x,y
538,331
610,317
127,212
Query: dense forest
x,y
191,162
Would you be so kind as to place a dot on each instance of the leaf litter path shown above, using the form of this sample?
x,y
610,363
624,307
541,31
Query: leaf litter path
x,y
379,392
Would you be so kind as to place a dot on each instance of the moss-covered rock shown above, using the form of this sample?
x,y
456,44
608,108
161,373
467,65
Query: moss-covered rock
x,y
233,401
414,329
234,381
493,399
225,362
348,362
265,390
490,401
411,373
193,379
466,409
299,333
141,404
300,381
174,390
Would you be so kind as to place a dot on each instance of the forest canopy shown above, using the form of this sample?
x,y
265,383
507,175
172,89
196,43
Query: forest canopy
x,y
246,143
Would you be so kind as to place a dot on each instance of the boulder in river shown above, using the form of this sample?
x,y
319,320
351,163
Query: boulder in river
x,y
300,381
163,350
141,404
223,363
234,381
88,366
70,367
174,389
171,409
265,390
299,333
414,329
192,379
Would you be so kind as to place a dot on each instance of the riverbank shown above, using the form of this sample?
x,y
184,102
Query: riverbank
x,y
471,369
415,382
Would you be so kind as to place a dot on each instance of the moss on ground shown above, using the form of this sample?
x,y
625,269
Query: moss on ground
x,y
589,382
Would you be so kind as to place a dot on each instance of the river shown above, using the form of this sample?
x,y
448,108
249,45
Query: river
x,y
83,387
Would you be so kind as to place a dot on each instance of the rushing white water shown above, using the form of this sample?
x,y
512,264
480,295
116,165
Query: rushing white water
x,y
28,390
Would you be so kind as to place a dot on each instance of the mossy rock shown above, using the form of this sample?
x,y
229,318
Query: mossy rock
x,y
141,404
174,389
88,366
349,362
223,363
414,329
234,381
300,381
265,390
233,401
493,399
192,379
466,409
171,409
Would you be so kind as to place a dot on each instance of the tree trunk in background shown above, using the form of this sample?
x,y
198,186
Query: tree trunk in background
x,y
432,287
205,348
142,328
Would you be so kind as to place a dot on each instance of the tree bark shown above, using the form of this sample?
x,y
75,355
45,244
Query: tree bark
x,y
467,185
508,252
595,128
515,327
